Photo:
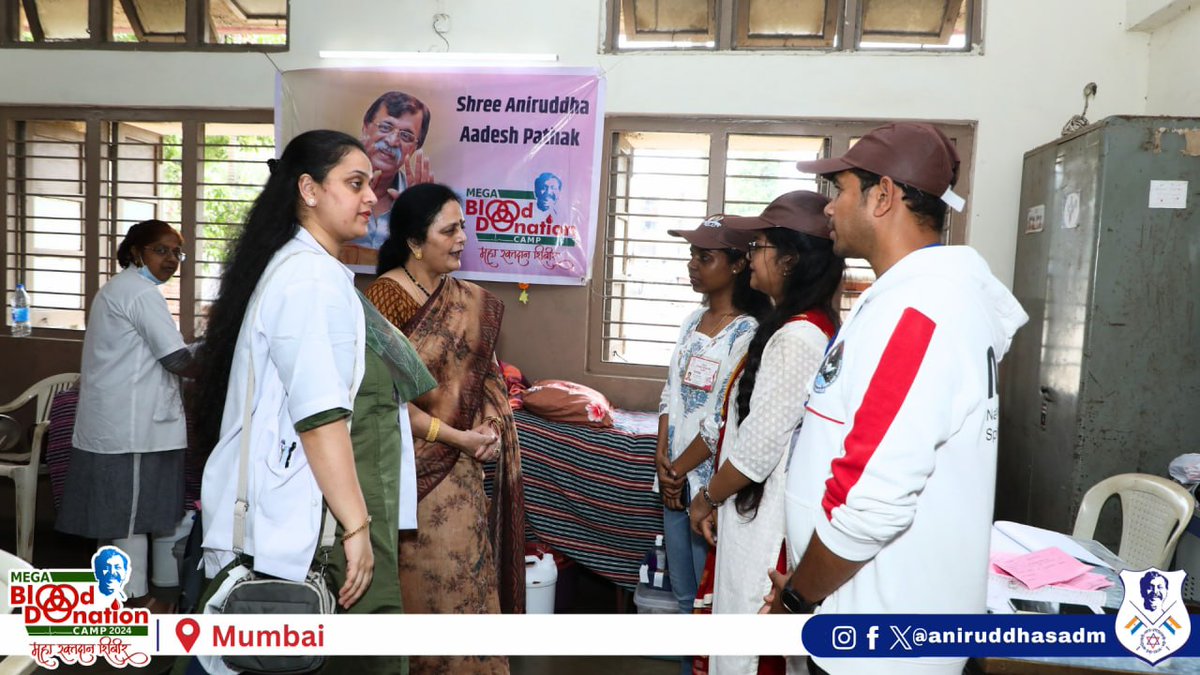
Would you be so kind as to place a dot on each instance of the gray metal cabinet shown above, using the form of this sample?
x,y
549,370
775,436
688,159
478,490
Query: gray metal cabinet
x,y
1104,378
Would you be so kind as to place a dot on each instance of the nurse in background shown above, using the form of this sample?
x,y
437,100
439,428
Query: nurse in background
x,y
125,481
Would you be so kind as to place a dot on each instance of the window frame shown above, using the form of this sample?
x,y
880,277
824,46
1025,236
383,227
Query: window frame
x,y
191,183
843,18
100,29
838,133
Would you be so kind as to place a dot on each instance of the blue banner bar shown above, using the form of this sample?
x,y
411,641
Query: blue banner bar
x,y
915,635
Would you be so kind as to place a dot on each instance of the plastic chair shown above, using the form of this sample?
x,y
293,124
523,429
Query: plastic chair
x,y
1154,513
16,664
22,467
23,470
9,562
44,391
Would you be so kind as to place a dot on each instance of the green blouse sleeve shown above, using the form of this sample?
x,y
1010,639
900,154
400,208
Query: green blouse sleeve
x,y
321,419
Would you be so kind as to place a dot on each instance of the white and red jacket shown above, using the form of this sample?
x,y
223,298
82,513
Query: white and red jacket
x,y
896,461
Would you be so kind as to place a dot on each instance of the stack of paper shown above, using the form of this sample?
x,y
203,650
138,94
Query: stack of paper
x,y
1023,538
1048,567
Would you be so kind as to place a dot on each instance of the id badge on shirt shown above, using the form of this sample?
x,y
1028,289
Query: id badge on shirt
x,y
701,373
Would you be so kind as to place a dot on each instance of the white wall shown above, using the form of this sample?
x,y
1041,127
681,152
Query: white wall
x,y
1021,90
1174,81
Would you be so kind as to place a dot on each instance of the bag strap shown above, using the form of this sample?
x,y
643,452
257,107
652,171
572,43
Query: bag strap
x,y
242,506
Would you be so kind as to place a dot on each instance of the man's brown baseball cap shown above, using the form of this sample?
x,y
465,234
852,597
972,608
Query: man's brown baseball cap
x,y
713,234
915,154
799,210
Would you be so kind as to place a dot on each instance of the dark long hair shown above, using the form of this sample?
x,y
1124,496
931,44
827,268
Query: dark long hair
x,y
412,213
809,287
745,299
142,235
272,222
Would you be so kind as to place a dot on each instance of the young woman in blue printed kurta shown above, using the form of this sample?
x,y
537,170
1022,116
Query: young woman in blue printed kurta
x,y
712,340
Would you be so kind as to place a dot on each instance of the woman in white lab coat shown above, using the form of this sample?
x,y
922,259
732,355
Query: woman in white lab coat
x,y
125,480
289,310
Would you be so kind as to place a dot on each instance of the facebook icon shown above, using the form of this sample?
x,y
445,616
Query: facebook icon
x,y
872,636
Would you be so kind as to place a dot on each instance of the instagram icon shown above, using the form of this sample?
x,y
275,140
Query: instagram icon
x,y
844,638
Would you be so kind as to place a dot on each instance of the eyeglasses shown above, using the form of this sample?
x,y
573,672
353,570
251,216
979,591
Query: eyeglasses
x,y
387,129
163,251
755,246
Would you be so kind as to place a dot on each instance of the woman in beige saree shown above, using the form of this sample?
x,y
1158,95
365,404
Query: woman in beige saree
x,y
467,554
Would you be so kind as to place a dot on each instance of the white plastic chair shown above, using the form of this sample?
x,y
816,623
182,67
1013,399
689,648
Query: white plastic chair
x,y
16,664
22,467
1154,513
23,470
44,391
9,562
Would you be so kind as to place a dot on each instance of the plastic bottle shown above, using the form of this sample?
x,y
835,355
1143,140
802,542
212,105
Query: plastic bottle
x,y
21,326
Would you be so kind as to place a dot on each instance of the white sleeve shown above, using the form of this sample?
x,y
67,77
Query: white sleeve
x,y
903,396
152,320
790,358
312,335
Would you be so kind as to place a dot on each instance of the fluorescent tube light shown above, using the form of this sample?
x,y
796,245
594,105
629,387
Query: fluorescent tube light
x,y
440,57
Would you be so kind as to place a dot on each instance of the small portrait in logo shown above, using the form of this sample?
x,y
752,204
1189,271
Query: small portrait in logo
x,y
546,189
111,567
1154,590
1152,621
830,367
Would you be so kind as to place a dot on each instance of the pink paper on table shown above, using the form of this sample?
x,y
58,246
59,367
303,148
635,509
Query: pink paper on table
x,y
1089,581
1045,567
998,560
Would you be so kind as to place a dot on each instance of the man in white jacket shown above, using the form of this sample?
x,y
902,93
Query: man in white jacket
x,y
892,477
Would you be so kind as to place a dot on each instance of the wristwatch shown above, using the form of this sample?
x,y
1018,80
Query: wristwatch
x,y
793,602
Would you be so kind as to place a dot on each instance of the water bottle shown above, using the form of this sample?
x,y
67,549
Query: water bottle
x,y
20,313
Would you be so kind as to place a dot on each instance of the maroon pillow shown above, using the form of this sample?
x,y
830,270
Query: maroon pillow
x,y
562,401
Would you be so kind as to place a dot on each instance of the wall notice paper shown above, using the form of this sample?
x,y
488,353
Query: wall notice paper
x,y
1168,194
1035,219
520,146
1071,211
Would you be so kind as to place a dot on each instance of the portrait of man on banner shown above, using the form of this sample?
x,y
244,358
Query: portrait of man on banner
x,y
520,148
547,188
394,129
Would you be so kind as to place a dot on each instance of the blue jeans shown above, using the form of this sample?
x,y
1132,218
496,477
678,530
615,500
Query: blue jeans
x,y
686,552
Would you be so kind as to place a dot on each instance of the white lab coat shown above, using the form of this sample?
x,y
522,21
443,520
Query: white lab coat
x,y
308,341
128,402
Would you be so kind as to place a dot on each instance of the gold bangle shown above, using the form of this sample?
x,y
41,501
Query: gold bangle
x,y
356,530
435,425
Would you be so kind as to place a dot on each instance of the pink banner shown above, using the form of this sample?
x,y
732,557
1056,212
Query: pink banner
x,y
521,147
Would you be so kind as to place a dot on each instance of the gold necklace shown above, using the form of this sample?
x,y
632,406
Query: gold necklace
x,y
725,319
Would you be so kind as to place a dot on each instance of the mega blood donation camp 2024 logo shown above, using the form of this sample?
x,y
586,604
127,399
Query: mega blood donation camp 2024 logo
x,y
78,615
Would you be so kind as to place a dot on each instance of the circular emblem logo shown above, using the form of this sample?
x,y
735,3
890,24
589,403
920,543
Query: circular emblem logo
x,y
830,367
1153,641
56,601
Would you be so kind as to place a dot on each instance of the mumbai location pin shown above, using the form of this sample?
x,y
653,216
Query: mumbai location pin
x,y
187,630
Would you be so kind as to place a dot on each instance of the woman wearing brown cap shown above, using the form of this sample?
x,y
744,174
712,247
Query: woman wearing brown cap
x,y
792,261
712,342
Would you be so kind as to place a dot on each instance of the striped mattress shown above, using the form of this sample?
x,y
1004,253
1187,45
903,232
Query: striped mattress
x,y
588,491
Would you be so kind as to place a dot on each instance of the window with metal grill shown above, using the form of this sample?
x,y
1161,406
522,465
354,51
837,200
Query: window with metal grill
x,y
939,25
242,25
73,188
666,174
